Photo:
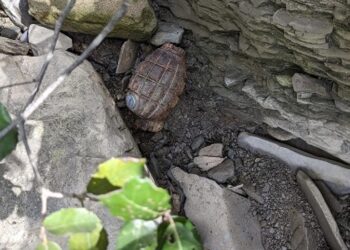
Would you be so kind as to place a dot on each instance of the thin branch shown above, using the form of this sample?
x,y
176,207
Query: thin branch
x,y
16,84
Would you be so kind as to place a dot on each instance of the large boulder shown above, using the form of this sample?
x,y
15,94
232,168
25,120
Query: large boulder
x,y
77,128
90,16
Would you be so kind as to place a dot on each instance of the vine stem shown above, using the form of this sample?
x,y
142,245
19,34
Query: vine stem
x,y
169,217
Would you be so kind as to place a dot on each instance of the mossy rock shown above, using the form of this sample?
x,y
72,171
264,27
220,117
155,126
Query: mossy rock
x,y
90,16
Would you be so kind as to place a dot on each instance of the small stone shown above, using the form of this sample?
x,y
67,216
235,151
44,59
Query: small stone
x,y
41,37
167,33
223,172
231,154
197,143
206,163
127,56
234,78
301,237
157,137
214,150
306,86
272,230
280,134
284,80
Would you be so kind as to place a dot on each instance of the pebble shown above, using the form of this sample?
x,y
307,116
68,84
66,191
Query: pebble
x,y
167,33
197,143
223,172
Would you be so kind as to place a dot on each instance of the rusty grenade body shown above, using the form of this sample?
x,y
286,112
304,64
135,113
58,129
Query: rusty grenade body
x,y
156,86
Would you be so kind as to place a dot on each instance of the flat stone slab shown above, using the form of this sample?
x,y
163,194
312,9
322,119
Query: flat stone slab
x,y
167,33
41,37
336,175
322,211
206,163
127,56
222,217
212,150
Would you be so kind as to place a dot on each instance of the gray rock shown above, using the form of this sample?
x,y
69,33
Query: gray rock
x,y
301,237
332,201
322,211
280,134
13,47
223,172
167,33
17,10
336,175
206,163
307,85
7,28
234,77
41,37
127,56
284,80
214,150
77,128
197,143
222,217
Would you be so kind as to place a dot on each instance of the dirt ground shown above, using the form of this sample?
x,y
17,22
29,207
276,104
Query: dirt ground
x,y
203,115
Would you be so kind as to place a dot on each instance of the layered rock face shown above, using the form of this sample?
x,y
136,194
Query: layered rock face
x,y
297,52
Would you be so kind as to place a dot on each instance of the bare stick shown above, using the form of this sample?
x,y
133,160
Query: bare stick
x,y
16,84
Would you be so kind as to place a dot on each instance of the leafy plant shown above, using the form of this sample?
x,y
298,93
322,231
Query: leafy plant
x,y
9,142
119,185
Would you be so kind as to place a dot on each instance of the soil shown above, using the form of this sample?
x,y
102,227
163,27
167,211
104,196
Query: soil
x,y
203,115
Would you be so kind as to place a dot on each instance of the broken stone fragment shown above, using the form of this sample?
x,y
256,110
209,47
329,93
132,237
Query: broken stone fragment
x,y
322,211
280,134
223,172
214,150
13,47
167,33
301,236
41,38
221,217
206,163
335,174
127,56
306,86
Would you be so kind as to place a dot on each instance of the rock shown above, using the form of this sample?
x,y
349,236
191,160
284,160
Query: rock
x,y
197,143
322,211
90,16
17,11
41,38
332,201
336,175
284,80
77,128
221,217
127,56
13,47
167,33
250,191
306,85
214,150
223,172
206,163
301,237
234,77
7,28
280,134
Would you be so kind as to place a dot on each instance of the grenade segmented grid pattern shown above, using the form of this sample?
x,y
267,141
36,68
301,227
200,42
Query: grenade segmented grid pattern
x,y
158,81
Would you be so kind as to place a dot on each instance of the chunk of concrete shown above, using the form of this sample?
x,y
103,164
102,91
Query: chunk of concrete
x,y
167,33
214,150
222,217
322,211
335,174
41,37
206,163
127,56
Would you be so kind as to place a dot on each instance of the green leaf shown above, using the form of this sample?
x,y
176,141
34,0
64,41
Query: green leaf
x,y
97,240
9,142
181,236
100,186
139,199
50,245
71,220
119,171
138,235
